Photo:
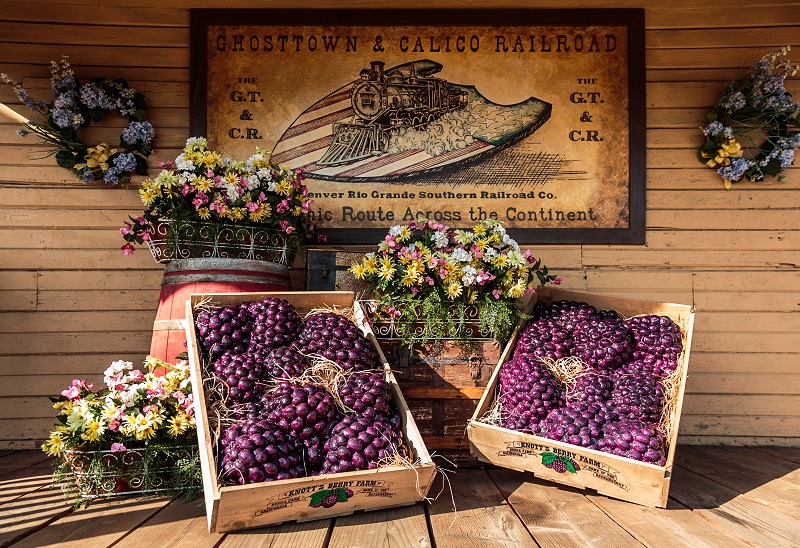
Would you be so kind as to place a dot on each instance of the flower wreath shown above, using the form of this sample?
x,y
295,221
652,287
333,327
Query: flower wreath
x,y
75,106
755,107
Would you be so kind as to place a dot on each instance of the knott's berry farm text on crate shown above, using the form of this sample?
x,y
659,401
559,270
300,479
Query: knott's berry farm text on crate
x,y
231,508
608,474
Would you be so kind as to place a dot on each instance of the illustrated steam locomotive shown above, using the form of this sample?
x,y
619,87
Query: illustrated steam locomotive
x,y
383,102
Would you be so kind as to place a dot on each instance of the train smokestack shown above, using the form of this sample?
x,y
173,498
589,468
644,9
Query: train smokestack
x,y
377,68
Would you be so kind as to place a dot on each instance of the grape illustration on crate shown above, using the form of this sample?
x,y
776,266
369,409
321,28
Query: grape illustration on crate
x,y
328,497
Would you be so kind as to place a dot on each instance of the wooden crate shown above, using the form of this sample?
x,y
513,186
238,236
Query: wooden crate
x,y
230,508
442,383
608,474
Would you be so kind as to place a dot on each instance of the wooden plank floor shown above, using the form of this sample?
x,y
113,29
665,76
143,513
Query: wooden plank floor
x,y
725,497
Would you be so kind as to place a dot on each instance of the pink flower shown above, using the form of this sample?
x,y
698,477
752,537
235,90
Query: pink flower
x,y
322,238
497,293
74,391
128,249
429,280
529,256
126,229
165,165
299,173
284,224
414,290
530,291
557,281
252,206
306,206
262,197
118,448
282,207
290,230
392,311
217,206
185,189
146,236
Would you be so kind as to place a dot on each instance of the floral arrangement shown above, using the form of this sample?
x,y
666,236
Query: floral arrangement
x,y
133,409
147,414
753,130
425,271
202,186
75,105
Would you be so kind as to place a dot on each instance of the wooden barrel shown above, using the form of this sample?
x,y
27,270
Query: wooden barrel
x,y
182,277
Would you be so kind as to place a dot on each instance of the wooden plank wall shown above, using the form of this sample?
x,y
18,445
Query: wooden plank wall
x,y
70,303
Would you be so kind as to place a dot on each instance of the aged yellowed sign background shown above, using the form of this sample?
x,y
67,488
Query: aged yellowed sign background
x,y
526,124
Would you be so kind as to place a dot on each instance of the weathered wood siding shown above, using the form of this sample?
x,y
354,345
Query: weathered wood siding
x,y
70,303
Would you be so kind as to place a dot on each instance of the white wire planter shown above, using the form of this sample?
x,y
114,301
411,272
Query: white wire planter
x,y
173,239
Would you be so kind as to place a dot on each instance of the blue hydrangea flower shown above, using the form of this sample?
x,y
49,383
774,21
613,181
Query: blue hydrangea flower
x,y
124,162
735,171
95,98
715,128
138,131
734,101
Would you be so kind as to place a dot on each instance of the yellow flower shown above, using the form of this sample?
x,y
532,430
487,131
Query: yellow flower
x,y
204,213
517,290
236,213
386,270
231,178
210,159
409,278
404,234
358,270
203,184
264,211
94,430
454,290
191,156
179,424
463,237
371,264
56,443
284,188
479,230
500,261
166,179
149,194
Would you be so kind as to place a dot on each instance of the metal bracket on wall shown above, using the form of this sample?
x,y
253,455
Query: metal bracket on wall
x,y
321,271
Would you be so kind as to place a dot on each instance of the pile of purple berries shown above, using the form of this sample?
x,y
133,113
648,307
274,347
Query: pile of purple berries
x,y
615,405
286,427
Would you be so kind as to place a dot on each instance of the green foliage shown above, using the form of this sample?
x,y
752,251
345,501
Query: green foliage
x,y
164,470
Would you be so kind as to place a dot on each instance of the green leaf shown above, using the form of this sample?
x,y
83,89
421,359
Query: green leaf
x,y
341,496
97,114
183,356
711,117
548,458
65,159
317,497
141,165
571,467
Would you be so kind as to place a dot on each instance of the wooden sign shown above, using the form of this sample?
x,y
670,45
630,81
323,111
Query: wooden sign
x,y
532,117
